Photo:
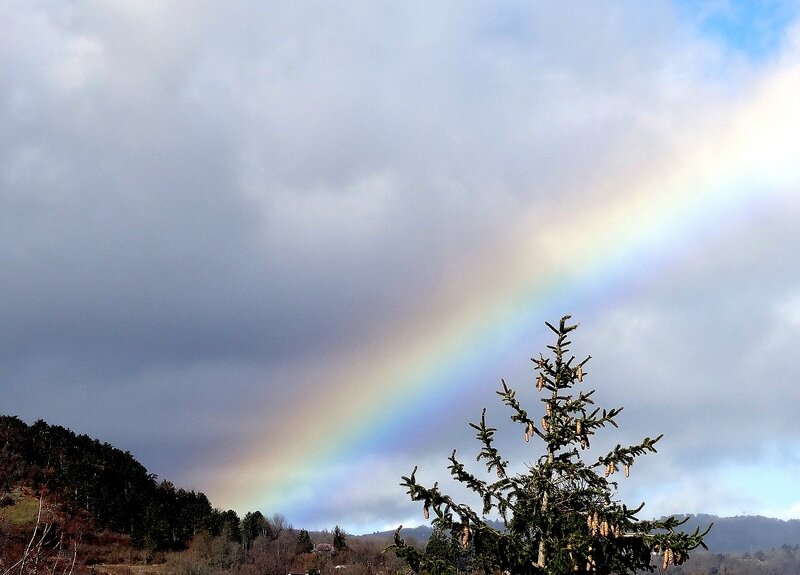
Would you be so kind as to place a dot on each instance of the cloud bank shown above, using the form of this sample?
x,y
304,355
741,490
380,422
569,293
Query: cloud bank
x,y
229,232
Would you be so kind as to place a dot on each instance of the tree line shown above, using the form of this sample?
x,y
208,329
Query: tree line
x,y
85,475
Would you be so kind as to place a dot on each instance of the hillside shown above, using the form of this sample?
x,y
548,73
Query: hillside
x,y
84,477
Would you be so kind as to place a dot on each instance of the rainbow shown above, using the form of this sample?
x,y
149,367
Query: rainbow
x,y
637,224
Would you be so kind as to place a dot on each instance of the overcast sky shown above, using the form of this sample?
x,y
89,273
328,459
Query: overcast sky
x,y
282,252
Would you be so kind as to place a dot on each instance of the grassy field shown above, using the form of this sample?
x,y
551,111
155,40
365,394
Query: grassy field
x,y
23,509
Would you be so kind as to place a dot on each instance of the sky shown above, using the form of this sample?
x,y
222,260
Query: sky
x,y
283,252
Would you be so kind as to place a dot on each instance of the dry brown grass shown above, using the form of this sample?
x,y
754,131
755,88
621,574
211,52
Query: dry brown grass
x,y
123,569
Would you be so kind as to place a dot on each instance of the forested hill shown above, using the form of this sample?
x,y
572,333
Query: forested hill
x,y
82,474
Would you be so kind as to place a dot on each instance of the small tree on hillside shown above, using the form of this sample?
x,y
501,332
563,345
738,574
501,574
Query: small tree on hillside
x,y
339,539
560,516
254,525
304,543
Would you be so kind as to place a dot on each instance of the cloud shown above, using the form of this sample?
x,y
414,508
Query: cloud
x,y
203,209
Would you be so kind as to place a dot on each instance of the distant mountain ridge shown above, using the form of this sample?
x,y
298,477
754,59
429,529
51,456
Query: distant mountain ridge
x,y
740,534
746,533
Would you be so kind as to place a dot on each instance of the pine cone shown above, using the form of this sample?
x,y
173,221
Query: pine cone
x,y
668,557
528,432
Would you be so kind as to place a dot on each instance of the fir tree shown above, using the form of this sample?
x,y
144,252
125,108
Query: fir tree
x,y
304,543
560,516
339,539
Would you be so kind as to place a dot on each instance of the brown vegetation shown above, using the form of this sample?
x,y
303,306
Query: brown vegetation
x,y
36,536
784,560
280,555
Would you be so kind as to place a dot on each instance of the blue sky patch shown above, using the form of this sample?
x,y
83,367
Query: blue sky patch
x,y
754,29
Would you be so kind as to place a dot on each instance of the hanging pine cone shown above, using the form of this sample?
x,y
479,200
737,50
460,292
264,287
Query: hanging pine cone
x,y
668,558
465,533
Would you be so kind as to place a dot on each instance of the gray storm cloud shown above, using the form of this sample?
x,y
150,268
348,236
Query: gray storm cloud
x,y
196,200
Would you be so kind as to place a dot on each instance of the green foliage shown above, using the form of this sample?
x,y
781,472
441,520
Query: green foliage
x,y
304,543
339,539
560,516
443,556
225,523
254,525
